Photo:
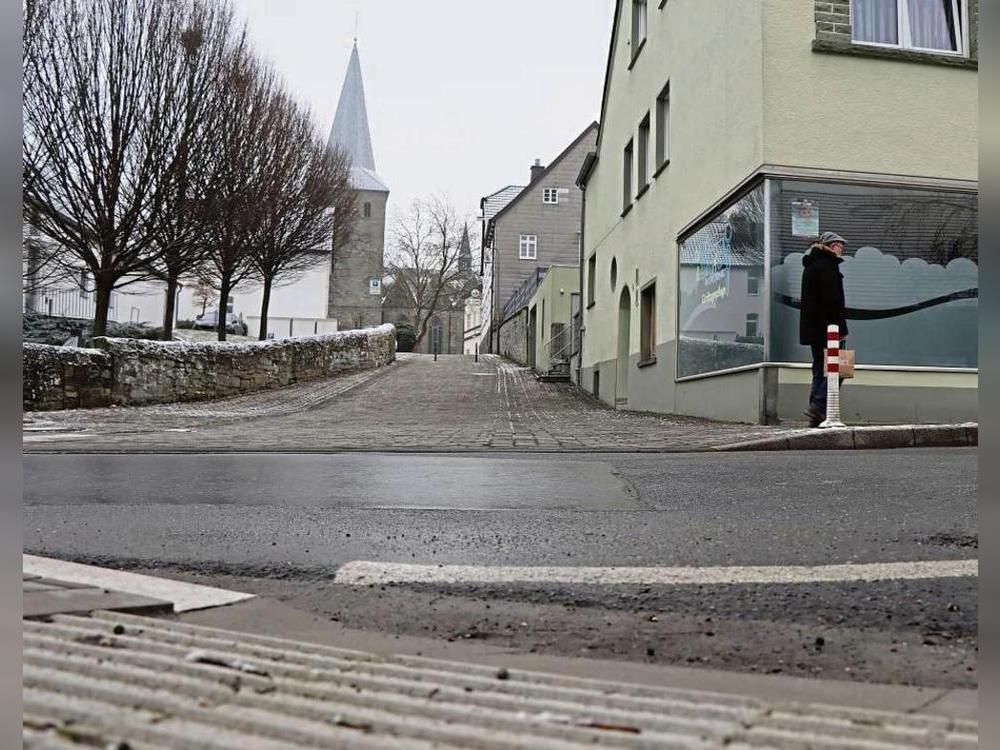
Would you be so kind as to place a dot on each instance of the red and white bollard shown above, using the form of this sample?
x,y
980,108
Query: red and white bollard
x,y
832,378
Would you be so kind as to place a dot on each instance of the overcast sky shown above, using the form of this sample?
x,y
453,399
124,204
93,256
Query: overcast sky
x,y
462,95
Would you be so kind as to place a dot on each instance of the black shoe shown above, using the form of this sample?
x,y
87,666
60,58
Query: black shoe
x,y
816,418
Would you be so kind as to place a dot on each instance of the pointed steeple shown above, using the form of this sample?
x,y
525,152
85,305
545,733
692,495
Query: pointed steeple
x,y
350,127
465,251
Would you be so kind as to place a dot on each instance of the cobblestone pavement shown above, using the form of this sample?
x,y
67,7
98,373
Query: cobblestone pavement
x,y
454,404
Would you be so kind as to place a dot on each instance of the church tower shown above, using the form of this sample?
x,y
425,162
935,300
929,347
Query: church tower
x,y
355,297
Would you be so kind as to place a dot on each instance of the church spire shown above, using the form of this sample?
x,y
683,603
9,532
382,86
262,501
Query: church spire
x,y
350,125
465,251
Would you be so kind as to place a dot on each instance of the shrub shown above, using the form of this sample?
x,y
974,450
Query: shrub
x,y
44,329
406,337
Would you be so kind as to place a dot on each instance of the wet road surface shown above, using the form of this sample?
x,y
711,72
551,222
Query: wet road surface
x,y
283,526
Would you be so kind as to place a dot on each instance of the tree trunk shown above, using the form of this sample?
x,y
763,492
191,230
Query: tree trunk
x,y
169,309
223,317
265,303
102,303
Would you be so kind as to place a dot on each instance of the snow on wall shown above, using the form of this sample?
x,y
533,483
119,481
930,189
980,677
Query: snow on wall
x,y
156,372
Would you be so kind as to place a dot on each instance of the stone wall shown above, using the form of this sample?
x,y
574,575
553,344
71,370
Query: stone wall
x,y
57,377
131,372
514,337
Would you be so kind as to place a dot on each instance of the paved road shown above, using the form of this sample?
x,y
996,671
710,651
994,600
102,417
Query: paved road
x,y
454,404
283,525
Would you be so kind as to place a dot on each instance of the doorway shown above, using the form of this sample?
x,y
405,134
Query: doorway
x,y
624,344
531,338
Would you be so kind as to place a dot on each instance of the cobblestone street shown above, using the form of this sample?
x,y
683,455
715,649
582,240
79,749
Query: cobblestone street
x,y
454,404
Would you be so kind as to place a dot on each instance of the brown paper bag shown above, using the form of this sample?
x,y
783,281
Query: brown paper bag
x,y
846,363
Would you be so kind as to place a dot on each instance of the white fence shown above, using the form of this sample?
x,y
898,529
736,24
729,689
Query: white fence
x,y
289,328
69,303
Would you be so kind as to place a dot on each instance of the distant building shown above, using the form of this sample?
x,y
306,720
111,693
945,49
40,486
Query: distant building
x,y
473,321
355,289
538,226
489,207
732,135
446,328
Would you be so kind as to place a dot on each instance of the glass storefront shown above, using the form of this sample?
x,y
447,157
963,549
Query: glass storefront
x,y
911,276
911,270
722,295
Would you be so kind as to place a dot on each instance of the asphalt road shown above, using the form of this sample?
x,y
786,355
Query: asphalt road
x,y
282,525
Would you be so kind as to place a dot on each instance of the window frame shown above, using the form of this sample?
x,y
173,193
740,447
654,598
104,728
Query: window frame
x,y
550,191
640,26
647,323
904,35
643,175
753,318
591,281
628,157
662,135
759,278
528,247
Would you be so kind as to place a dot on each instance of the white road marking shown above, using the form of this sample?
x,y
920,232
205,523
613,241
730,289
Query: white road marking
x,y
363,573
185,596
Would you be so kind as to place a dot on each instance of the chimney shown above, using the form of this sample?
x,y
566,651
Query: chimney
x,y
536,170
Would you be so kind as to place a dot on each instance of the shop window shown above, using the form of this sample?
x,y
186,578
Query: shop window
x,y
712,326
927,25
647,311
911,270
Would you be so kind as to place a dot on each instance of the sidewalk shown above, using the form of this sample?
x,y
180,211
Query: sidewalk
x,y
219,678
454,405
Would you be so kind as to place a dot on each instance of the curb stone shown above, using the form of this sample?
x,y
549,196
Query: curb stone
x,y
867,438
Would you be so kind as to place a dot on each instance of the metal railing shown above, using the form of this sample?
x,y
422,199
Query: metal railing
x,y
67,303
557,349
523,294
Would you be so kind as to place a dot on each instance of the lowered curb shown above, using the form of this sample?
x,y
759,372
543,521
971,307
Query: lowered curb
x,y
115,584
866,438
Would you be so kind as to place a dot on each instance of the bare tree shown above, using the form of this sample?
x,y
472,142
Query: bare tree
x,y
204,293
308,203
203,41
424,266
103,111
236,174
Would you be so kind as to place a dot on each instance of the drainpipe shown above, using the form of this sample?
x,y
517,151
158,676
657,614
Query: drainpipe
x,y
583,306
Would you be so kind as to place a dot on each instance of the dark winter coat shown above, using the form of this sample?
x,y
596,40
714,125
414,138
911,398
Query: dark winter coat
x,y
822,296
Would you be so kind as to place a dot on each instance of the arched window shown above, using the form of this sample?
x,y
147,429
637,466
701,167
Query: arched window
x,y
368,210
435,343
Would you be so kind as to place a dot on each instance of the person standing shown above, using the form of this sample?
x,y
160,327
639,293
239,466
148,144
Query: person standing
x,y
822,305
